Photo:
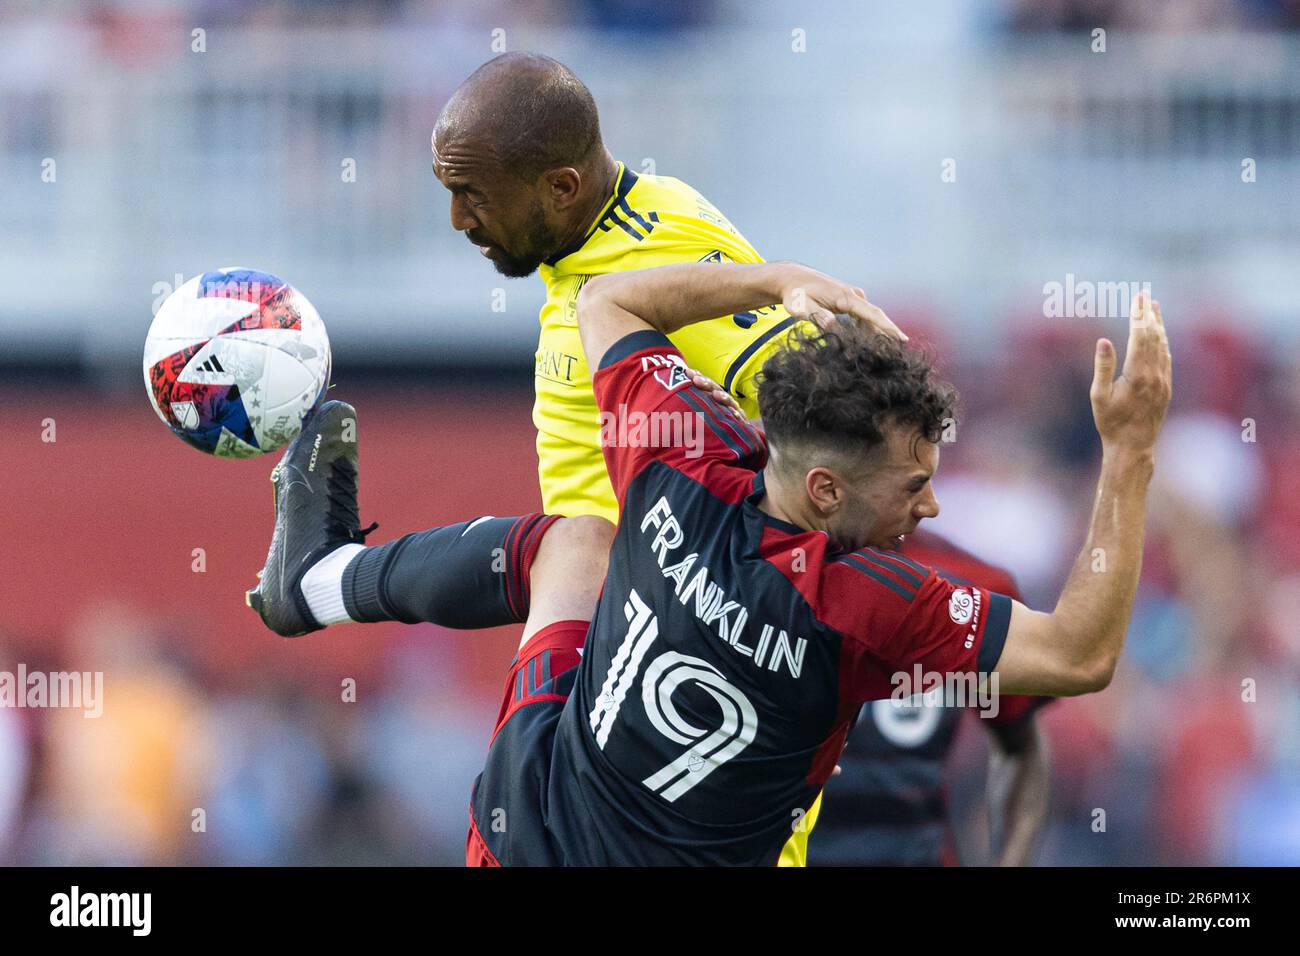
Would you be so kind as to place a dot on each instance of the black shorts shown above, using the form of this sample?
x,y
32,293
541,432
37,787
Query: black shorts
x,y
507,807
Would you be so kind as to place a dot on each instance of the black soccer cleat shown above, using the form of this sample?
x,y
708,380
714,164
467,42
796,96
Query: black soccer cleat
x,y
315,512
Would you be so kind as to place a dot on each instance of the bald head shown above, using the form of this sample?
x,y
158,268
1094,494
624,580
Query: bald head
x,y
527,112
518,147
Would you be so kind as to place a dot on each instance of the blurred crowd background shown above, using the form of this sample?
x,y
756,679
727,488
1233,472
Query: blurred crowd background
x,y
953,157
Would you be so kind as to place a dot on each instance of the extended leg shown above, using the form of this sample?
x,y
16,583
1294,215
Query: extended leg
x,y
480,573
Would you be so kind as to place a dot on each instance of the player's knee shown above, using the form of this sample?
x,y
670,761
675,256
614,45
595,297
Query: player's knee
x,y
575,551
593,534
568,573
585,541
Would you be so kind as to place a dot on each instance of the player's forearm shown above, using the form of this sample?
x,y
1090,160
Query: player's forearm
x,y
1093,612
671,297
1019,785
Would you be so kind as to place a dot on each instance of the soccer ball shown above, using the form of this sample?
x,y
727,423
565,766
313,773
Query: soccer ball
x,y
234,360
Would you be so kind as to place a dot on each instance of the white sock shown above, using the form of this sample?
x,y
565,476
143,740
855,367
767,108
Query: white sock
x,y
322,585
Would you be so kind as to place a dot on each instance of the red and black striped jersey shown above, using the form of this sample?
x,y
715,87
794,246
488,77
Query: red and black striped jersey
x,y
731,650
888,806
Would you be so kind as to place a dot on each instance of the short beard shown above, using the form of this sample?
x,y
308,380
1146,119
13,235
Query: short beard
x,y
538,239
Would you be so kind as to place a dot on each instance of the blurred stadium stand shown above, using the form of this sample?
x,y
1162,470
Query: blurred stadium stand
x,y
1118,166
1124,164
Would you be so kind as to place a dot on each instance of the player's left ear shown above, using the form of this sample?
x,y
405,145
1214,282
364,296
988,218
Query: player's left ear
x,y
823,487
562,186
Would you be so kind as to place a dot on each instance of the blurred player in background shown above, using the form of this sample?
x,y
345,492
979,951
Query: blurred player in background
x,y
889,806
534,188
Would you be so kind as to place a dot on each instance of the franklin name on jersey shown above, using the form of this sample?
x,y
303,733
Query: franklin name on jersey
x,y
730,651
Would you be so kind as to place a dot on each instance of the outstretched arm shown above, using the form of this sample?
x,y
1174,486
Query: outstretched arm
x,y
668,298
1074,649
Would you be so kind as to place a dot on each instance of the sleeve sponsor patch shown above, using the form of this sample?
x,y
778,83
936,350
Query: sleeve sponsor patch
x,y
961,607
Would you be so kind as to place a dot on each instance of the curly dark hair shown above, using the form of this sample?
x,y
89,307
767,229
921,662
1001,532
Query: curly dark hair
x,y
835,391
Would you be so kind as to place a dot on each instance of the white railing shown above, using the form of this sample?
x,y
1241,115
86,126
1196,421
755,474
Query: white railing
x,y
1125,165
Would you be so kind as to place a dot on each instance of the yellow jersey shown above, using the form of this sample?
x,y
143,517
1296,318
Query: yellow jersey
x,y
648,221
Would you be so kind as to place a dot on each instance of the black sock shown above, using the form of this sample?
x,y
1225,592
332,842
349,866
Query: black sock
x,y
468,575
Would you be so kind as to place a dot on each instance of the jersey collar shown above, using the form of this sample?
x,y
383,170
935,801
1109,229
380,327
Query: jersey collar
x,y
623,183
756,496
765,520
